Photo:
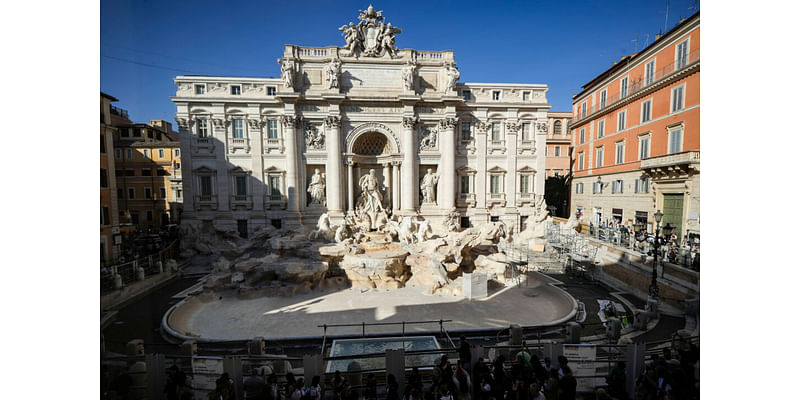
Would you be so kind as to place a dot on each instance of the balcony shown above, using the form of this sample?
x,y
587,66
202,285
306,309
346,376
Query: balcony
x,y
670,165
524,198
275,201
205,201
238,144
242,201
496,199
273,145
528,145
202,143
639,86
467,199
497,146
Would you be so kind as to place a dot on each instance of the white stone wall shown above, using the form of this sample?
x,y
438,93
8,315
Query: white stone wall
x,y
371,98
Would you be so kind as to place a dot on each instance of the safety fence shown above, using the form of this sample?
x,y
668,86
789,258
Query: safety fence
x,y
591,363
118,276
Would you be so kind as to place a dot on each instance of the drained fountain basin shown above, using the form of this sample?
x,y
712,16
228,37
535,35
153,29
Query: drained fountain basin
x,y
349,347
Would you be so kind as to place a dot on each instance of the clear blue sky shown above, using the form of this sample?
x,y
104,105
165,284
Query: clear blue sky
x,y
561,44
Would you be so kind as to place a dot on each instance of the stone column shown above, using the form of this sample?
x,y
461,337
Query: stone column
x,y
333,166
481,187
512,128
409,195
447,172
395,186
290,136
387,181
350,207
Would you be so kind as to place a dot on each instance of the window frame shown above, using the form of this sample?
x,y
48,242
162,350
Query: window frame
x,y
148,193
582,136
623,87
670,132
644,138
621,116
272,89
199,86
202,134
270,122
619,152
672,98
526,96
118,153
601,128
581,159
239,87
649,103
466,94
652,76
598,156
496,95
579,188
234,122
131,193
603,98
556,151
497,127
678,65
160,153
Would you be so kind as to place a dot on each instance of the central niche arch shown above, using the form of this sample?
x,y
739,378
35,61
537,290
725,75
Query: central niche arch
x,y
372,138
372,144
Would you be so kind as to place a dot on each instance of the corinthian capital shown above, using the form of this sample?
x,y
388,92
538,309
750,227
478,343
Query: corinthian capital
x,y
409,122
288,120
482,127
333,121
541,127
513,127
447,123
219,123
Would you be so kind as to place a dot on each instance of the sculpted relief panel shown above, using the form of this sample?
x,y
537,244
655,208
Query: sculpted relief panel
x,y
355,77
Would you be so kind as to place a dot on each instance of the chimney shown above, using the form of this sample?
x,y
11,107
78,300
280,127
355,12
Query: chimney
x,y
658,36
682,20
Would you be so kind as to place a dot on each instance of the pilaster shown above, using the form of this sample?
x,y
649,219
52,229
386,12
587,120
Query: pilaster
x,y
409,167
447,177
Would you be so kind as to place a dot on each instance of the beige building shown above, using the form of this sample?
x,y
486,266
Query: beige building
x,y
283,151
148,173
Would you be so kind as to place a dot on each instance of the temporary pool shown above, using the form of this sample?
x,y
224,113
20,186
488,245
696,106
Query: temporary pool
x,y
350,347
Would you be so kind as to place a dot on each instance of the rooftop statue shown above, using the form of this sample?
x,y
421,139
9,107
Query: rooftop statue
x,y
371,37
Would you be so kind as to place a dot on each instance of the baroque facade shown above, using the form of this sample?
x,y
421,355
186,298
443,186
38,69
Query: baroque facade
x,y
366,126
636,137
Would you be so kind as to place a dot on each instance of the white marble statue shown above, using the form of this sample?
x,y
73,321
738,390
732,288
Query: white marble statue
x,y
428,187
408,75
406,230
287,72
332,72
452,221
424,231
370,202
324,230
315,137
317,188
452,76
427,140
352,38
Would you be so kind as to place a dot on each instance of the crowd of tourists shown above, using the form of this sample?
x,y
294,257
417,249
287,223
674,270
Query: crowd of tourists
x,y
685,252
526,377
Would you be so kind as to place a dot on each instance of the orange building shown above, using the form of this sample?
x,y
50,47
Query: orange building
x,y
636,136
109,221
557,160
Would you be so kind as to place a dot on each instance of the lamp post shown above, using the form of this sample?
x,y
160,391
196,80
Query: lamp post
x,y
656,247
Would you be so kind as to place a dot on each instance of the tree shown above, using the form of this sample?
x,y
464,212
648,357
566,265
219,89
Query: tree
x,y
556,193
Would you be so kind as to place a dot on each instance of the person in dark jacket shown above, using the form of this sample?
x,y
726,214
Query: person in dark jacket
x,y
568,384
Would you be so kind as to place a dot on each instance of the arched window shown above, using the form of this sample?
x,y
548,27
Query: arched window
x,y
557,128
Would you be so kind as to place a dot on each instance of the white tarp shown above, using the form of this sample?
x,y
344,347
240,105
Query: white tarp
x,y
581,360
475,285
205,371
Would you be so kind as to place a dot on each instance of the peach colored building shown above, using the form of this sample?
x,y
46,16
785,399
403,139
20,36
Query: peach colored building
x,y
557,160
636,136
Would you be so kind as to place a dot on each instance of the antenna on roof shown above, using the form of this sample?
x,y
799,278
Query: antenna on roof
x,y
666,17
636,42
694,7
646,39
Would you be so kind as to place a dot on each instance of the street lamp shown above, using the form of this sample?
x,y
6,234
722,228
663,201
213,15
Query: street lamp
x,y
654,279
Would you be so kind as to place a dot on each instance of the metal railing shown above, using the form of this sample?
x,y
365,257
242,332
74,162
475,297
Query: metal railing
x,y
118,276
637,85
